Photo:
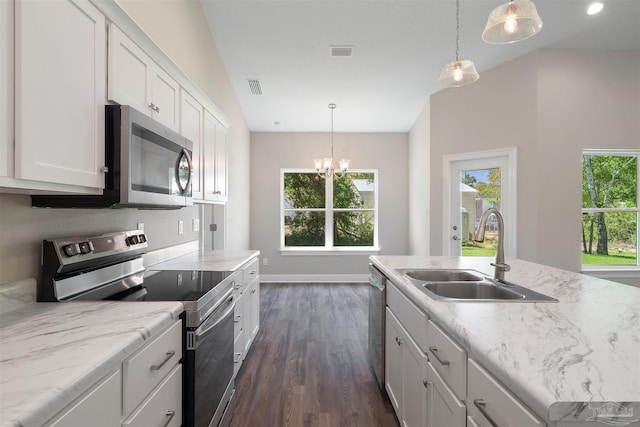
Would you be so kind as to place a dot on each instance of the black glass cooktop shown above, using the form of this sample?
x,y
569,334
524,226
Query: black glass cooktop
x,y
155,285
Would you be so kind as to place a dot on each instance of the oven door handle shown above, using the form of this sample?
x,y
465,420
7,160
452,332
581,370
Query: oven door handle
x,y
214,320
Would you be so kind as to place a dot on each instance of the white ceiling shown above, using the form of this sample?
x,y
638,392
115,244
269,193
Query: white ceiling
x,y
399,48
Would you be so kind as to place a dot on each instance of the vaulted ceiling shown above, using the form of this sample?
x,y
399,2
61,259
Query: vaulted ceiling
x,y
398,49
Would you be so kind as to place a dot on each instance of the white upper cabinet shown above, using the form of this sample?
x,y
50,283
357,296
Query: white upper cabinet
x,y
136,80
6,88
215,146
60,54
191,127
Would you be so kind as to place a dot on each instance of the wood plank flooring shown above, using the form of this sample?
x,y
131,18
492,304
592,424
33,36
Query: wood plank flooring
x,y
309,364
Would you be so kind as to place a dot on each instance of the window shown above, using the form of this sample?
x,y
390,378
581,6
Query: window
x,y
610,214
335,213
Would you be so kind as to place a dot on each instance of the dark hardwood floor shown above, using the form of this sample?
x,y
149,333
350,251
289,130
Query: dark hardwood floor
x,y
309,364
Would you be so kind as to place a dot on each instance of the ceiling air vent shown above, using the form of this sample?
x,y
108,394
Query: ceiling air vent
x,y
254,86
341,51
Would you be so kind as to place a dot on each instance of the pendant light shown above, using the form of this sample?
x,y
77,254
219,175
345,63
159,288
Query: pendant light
x,y
458,73
511,22
325,166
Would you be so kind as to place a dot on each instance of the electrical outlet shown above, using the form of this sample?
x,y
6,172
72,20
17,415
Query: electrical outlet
x,y
140,226
195,224
180,226
265,261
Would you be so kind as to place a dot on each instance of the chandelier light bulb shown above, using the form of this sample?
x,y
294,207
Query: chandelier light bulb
x,y
595,7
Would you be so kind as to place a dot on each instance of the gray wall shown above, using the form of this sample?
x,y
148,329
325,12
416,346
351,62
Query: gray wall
x,y
550,104
387,152
179,29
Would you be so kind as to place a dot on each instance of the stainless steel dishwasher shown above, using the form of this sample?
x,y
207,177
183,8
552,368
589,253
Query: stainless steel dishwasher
x,y
377,306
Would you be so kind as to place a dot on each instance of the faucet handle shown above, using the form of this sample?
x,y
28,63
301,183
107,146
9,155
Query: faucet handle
x,y
502,266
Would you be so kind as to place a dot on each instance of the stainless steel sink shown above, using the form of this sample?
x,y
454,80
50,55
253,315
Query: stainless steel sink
x,y
444,275
469,285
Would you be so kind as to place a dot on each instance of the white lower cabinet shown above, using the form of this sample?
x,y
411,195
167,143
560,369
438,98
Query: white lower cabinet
x,y
490,403
144,390
405,375
163,407
445,409
101,406
247,311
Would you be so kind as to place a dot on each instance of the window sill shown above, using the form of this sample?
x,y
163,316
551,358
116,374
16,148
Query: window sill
x,y
612,272
315,251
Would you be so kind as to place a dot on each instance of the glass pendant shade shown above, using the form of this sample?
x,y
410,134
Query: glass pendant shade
x,y
458,73
511,22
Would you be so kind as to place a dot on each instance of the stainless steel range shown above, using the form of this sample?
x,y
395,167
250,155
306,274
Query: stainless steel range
x,y
110,267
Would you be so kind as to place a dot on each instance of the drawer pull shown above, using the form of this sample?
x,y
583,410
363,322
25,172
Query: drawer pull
x,y
237,357
400,341
434,351
169,355
480,404
253,291
169,415
236,286
237,319
252,272
426,383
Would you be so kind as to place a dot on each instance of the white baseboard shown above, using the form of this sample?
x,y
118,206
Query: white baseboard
x,y
314,278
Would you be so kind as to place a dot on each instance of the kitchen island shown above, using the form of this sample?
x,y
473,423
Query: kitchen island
x,y
563,359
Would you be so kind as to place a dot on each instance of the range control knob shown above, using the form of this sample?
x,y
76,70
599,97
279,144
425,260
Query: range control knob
x,y
142,238
85,247
132,240
71,249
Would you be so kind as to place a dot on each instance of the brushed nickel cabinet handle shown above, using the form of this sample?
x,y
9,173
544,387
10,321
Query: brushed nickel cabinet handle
x,y
169,355
169,415
434,351
481,404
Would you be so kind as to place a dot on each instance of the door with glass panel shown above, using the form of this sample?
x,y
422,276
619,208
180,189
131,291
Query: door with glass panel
x,y
476,182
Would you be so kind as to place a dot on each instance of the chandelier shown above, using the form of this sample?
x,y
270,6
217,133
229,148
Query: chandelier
x,y
325,166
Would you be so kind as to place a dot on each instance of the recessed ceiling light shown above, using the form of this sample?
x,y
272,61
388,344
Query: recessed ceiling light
x,y
595,7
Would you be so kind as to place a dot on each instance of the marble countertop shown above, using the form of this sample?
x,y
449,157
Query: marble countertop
x,y
207,261
51,353
562,359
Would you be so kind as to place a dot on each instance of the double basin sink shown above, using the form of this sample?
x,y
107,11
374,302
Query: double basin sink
x,y
469,285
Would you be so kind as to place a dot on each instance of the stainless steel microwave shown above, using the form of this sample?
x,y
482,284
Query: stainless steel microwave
x,y
148,166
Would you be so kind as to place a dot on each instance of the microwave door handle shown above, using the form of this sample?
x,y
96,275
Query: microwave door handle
x,y
184,154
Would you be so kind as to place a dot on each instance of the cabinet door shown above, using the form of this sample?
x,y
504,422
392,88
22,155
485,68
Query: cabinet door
x,y
239,331
191,127
99,407
254,308
393,361
209,156
6,88
222,148
414,390
444,408
165,95
129,71
60,92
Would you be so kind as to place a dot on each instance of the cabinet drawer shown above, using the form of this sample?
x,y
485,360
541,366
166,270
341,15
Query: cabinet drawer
x,y
412,318
144,370
448,359
164,405
100,407
488,398
446,408
250,271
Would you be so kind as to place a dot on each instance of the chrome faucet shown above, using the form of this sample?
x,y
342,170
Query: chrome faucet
x,y
500,265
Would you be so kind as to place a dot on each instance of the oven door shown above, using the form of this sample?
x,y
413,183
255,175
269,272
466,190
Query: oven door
x,y
209,381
